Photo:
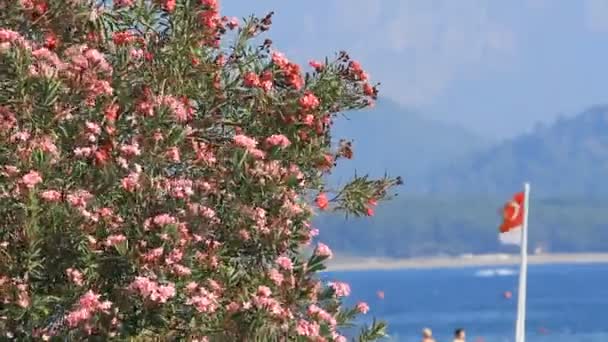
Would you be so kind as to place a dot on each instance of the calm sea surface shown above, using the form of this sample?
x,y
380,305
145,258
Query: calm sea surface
x,y
565,302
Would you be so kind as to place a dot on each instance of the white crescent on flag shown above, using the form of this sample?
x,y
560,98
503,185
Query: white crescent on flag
x,y
516,208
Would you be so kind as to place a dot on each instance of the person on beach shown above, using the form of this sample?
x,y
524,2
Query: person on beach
x,y
459,335
427,335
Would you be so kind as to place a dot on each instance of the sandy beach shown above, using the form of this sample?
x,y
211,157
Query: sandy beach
x,y
350,263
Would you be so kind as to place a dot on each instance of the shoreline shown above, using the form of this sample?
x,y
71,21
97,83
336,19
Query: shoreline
x,y
350,263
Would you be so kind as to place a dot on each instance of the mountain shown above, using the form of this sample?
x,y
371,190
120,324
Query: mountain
x,y
454,208
423,225
393,139
566,158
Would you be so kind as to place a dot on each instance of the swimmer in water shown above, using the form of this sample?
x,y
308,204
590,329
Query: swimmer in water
x,y
427,335
459,335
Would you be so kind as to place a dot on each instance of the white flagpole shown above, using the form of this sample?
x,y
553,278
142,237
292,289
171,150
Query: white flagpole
x,y
520,329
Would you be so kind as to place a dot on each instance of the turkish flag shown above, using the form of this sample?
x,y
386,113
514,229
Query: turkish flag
x,y
512,219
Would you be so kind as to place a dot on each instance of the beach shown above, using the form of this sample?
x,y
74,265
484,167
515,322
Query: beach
x,y
353,263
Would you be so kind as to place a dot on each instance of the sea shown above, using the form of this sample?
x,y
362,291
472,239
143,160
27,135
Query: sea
x,y
565,303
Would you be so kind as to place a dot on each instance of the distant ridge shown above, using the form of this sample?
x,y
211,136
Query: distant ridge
x,y
397,140
568,157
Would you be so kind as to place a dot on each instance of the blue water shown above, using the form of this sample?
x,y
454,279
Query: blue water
x,y
565,302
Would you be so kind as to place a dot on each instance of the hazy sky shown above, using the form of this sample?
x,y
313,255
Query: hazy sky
x,y
497,67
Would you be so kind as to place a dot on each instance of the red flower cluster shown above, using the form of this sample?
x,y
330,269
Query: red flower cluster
x,y
290,71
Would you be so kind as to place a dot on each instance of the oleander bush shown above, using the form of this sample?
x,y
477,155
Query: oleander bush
x,y
159,169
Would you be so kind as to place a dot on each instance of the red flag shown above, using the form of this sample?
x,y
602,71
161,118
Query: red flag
x,y
512,219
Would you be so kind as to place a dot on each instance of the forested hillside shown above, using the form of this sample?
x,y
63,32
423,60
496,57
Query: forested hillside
x,y
454,188
422,226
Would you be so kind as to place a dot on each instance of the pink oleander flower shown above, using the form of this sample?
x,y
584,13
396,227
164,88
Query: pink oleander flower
x,y
131,182
276,277
8,119
278,140
150,289
79,198
83,152
169,5
164,220
279,59
233,307
251,79
136,54
191,287
47,145
244,235
178,108
323,250
114,240
123,37
75,317
92,128
9,171
368,89
90,301
124,3
181,270
257,153
264,291
309,101
21,136
315,311
294,76
266,81
245,141
232,22
51,195
285,263
153,255
75,276
305,328
23,297
308,119
322,201
173,154
88,305
131,150
204,301
204,153
164,292
318,66
174,257
7,35
97,59
207,213
340,289
31,179
215,286
362,307
210,4
358,71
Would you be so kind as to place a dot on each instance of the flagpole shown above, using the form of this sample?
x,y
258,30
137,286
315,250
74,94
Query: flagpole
x,y
520,329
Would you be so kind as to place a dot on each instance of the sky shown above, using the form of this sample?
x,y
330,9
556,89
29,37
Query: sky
x,y
495,67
